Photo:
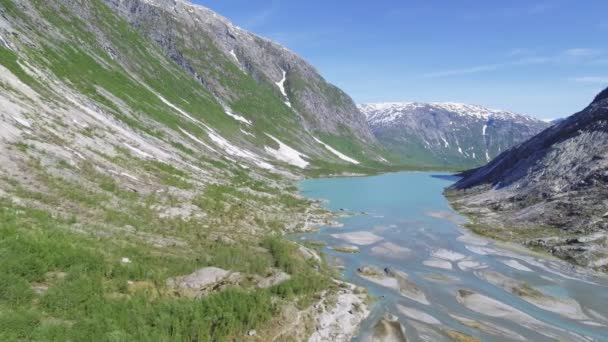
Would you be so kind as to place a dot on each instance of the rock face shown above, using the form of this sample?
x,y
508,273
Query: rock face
x,y
447,134
179,74
220,55
204,281
551,191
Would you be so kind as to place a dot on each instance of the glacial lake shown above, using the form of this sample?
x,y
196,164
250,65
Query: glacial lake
x,y
435,277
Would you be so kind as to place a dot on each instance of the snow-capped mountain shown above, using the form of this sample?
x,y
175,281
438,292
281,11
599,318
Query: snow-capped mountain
x,y
447,134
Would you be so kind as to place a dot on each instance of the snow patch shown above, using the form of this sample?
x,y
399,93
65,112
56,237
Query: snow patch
x,y
338,153
483,131
237,117
247,133
5,43
197,140
236,151
287,154
179,110
445,142
281,85
234,56
138,151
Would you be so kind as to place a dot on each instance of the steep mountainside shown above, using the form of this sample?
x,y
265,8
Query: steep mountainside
x,y
447,134
143,141
257,78
551,191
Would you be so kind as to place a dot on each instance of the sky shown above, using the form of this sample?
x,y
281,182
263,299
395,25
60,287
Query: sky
x,y
544,58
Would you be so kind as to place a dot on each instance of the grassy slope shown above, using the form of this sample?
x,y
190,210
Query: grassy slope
x,y
61,285
57,285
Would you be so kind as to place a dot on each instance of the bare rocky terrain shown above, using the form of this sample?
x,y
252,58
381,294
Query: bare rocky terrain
x,y
550,192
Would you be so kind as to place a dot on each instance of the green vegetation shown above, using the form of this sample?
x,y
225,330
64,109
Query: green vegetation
x,y
73,221
63,278
60,285
346,249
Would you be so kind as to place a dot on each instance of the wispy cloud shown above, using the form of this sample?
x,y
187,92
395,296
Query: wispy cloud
x,y
486,67
581,52
591,79
463,71
524,57
260,17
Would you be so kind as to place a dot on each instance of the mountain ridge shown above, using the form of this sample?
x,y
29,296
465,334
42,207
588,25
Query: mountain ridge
x,y
549,191
448,134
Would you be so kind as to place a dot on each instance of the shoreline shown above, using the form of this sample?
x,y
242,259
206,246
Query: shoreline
x,y
513,244
580,273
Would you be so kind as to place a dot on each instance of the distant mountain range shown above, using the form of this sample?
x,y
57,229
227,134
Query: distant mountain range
x,y
447,134
551,191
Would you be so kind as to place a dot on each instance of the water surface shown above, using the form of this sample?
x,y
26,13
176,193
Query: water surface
x,y
469,284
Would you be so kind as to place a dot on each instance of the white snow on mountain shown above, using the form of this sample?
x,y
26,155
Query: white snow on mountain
x,y
287,154
281,85
236,117
337,153
387,112
234,56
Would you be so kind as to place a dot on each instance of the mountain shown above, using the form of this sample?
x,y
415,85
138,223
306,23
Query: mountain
x,y
447,134
148,152
260,79
550,191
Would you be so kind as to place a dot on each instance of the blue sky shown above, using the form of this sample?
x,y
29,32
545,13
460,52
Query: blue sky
x,y
546,58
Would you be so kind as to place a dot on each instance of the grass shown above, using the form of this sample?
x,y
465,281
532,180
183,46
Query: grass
x,y
87,294
60,285
350,250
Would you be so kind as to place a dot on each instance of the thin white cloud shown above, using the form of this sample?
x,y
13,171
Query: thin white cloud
x,y
591,79
463,71
581,52
573,55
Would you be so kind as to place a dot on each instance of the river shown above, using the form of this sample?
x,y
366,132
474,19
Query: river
x,y
437,279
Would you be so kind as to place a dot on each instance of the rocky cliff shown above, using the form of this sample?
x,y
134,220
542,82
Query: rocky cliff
x,y
550,191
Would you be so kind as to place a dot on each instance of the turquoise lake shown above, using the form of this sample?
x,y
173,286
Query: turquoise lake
x,y
449,279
